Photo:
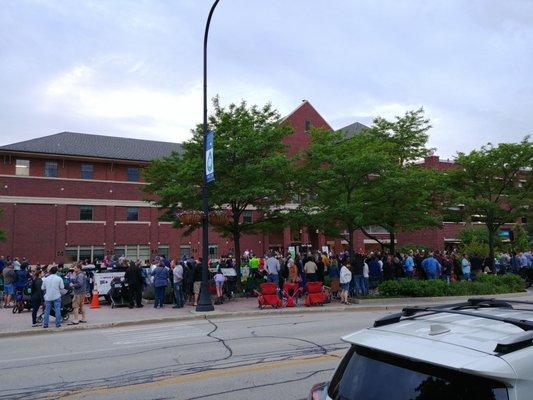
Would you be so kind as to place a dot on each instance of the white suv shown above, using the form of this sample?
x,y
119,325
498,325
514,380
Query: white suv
x,y
478,350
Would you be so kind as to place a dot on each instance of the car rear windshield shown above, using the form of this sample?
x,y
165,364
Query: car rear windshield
x,y
366,374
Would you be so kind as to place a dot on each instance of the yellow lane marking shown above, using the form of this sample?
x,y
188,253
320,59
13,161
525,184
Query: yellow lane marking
x,y
198,376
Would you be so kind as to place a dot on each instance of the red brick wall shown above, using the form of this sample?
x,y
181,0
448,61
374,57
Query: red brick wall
x,y
299,140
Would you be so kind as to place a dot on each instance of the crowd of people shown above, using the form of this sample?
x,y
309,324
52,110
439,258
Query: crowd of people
x,y
358,275
346,276
45,289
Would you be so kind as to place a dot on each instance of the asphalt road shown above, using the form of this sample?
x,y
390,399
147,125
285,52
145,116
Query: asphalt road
x,y
276,357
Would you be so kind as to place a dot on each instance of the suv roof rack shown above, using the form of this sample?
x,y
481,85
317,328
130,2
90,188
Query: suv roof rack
x,y
493,300
510,344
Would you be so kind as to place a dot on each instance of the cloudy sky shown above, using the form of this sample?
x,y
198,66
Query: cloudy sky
x,y
134,68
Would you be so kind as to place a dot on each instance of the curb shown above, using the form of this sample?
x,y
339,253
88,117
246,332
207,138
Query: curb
x,y
369,305
196,316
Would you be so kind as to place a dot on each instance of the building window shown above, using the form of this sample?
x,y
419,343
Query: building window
x,y
132,214
86,213
50,169
87,171
375,229
163,250
213,251
82,253
22,168
133,174
133,252
247,217
307,125
185,251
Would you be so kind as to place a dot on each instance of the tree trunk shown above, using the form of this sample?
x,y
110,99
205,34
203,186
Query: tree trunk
x,y
392,245
492,233
237,244
368,235
350,242
236,231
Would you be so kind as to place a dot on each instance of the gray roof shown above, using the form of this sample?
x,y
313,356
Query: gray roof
x,y
352,129
87,145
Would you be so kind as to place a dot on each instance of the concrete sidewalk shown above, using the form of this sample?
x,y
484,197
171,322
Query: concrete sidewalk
x,y
105,317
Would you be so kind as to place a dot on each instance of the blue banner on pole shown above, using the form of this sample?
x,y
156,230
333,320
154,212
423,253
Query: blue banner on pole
x,y
209,160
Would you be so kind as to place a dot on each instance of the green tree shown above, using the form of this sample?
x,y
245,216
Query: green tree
x,y
521,239
252,170
475,241
333,178
493,185
406,197
407,136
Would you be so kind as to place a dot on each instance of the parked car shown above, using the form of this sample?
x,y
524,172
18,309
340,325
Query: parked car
x,y
478,350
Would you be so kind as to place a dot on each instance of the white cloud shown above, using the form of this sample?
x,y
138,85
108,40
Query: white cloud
x,y
136,110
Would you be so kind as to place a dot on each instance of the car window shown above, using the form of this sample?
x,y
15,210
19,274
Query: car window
x,y
366,374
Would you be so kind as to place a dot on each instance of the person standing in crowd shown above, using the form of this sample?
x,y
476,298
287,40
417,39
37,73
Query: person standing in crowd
x,y
294,275
375,271
36,296
345,279
409,265
397,266
447,268
188,281
357,278
476,263
310,268
53,286
219,283
160,274
177,275
197,275
388,268
465,265
431,266
134,278
366,278
334,278
9,285
254,266
319,269
272,268
79,284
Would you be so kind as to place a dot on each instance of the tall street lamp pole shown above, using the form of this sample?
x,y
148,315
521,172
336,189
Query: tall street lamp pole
x,y
204,302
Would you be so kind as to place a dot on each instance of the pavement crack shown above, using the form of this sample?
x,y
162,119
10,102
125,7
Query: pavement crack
x,y
220,340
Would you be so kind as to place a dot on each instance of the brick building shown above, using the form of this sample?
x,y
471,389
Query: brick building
x,y
73,196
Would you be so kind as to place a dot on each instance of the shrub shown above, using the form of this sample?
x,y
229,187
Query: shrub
x,y
483,285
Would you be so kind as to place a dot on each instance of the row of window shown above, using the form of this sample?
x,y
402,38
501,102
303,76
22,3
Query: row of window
x,y
132,214
86,213
51,170
130,251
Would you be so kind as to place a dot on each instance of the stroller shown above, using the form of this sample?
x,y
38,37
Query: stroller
x,y
119,295
66,307
316,294
268,296
22,300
